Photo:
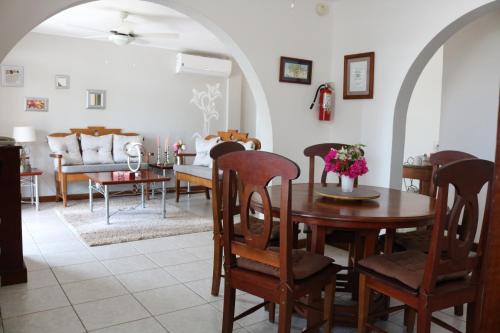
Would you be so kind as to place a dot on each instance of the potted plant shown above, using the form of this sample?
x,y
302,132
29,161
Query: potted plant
x,y
348,162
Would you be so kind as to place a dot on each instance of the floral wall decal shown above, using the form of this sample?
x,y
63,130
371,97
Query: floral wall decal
x,y
205,101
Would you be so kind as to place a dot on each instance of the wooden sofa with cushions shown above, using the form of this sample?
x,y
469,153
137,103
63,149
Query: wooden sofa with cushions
x,y
72,161
201,175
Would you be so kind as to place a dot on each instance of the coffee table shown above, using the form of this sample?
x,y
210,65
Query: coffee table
x,y
101,181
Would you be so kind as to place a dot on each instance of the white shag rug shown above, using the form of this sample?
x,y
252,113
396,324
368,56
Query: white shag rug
x,y
129,221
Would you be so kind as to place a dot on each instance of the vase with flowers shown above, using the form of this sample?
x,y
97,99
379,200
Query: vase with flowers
x,y
349,163
178,148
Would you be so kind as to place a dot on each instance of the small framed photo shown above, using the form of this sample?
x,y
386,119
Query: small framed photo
x,y
37,104
62,81
295,70
96,99
12,76
359,72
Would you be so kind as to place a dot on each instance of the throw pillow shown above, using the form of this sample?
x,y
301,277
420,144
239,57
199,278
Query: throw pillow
x,y
68,147
203,148
119,148
97,149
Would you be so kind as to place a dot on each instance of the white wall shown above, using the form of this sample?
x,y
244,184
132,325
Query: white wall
x,y
471,81
144,95
424,111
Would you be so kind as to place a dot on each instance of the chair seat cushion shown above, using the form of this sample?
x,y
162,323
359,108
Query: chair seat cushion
x,y
406,267
194,170
256,227
305,264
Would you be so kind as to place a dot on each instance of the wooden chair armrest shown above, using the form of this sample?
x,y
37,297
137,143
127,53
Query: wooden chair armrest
x,y
186,154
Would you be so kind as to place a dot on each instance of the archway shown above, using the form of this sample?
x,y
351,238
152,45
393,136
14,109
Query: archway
x,y
411,78
264,130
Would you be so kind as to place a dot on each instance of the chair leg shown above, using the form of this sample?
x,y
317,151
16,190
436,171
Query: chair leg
x,y
471,318
58,186
177,189
64,190
363,304
216,274
410,316
228,314
328,305
207,193
272,312
424,319
285,320
459,310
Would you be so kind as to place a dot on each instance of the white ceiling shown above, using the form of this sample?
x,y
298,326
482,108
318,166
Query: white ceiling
x,y
94,20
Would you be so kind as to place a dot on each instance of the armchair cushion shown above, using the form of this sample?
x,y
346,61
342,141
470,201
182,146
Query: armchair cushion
x,y
203,148
119,142
195,170
99,168
97,149
68,147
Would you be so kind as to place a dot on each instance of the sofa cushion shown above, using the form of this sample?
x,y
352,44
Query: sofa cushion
x,y
195,170
97,149
119,146
203,148
305,264
249,145
68,147
98,167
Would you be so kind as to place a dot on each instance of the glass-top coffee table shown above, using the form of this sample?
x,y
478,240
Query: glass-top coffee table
x,y
101,181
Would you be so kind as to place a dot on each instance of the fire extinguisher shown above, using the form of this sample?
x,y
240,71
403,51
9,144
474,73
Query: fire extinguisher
x,y
326,98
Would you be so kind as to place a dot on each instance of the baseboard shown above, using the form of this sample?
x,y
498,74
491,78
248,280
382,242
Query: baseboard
x,y
85,196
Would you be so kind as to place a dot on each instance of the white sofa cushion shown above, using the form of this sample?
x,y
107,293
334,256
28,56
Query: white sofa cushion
x,y
203,147
97,149
119,142
68,147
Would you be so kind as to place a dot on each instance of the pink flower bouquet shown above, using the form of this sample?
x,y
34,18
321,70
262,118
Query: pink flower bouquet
x,y
348,161
179,147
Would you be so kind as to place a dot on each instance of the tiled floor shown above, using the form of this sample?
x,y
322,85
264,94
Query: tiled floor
x,y
150,286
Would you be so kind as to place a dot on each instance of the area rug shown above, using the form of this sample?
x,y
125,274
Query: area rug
x,y
129,221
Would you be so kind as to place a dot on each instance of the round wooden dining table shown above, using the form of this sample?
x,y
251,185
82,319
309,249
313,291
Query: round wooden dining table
x,y
393,209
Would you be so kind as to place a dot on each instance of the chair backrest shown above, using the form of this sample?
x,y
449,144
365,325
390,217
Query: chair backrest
x,y
321,150
442,158
215,153
253,170
468,178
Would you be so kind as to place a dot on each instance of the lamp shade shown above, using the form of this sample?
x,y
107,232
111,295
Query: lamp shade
x,y
24,134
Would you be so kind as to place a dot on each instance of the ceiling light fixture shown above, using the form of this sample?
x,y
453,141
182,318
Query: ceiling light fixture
x,y
120,40
292,5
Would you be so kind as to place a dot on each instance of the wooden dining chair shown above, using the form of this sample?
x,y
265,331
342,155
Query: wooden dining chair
x,y
346,240
216,152
448,274
281,275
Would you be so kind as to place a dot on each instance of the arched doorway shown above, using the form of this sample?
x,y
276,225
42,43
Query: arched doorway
x,y
411,78
264,128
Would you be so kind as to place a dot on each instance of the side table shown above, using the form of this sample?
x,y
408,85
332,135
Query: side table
x,y
30,179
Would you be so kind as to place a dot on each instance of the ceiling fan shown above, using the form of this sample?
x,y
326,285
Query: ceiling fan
x,y
124,33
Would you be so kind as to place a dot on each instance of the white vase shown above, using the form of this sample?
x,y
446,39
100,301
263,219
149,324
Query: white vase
x,y
347,183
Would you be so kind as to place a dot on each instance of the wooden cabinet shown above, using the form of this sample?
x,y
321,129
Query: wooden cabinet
x,y
421,172
12,268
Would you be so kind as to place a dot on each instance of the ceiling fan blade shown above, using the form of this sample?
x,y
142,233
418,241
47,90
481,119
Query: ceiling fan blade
x,y
139,41
169,35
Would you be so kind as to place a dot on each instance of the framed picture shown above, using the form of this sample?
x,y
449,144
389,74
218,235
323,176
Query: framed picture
x,y
358,75
96,99
295,70
62,81
12,76
37,104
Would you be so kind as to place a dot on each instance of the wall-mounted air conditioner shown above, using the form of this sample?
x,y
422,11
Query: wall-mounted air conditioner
x,y
187,63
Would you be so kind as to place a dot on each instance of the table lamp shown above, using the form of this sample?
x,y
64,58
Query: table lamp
x,y
23,135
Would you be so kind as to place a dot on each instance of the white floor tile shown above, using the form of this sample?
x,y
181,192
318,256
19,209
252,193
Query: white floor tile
x,y
156,245
191,271
62,320
68,258
79,272
168,299
110,311
148,325
243,303
113,251
202,252
92,290
35,262
36,279
129,264
62,246
200,319
145,280
172,257
29,301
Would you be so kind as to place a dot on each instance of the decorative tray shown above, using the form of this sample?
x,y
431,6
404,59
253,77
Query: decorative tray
x,y
335,192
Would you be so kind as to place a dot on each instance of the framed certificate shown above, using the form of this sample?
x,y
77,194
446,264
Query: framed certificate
x,y
293,70
358,75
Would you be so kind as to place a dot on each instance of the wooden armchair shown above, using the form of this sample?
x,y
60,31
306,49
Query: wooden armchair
x,y
449,274
279,275
202,176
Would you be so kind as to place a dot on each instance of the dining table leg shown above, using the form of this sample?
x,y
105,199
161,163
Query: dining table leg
x,y
317,246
